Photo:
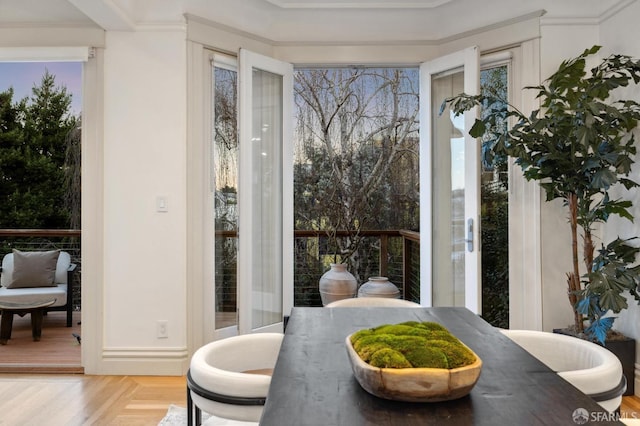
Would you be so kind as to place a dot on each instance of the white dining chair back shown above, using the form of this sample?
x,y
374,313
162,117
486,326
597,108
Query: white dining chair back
x,y
359,302
594,370
230,378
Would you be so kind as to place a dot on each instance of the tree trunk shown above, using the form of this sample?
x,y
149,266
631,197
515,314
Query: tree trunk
x,y
589,249
573,278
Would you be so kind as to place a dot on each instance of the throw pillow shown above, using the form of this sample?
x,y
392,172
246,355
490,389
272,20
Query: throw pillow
x,y
34,269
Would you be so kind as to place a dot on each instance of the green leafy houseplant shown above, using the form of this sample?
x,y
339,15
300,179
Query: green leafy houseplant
x,y
578,145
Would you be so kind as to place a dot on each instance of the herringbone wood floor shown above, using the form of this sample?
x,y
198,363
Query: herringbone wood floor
x,y
69,400
630,407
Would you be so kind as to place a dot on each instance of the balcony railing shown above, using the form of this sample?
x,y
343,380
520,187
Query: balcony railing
x,y
411,262
391,253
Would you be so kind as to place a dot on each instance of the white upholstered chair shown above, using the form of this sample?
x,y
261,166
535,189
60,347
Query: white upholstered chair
x,y
357,302
230,378
62,291
594,370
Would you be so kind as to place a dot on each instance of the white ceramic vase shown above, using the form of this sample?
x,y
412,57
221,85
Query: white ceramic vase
x,y
337,284
379,287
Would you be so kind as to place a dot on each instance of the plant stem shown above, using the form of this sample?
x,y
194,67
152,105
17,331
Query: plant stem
x,y
588,249
573,278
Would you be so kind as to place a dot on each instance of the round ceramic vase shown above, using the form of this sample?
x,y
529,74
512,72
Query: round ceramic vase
x,y
379,287
337,284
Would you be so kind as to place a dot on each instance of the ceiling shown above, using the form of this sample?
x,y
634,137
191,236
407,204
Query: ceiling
x,y
300,21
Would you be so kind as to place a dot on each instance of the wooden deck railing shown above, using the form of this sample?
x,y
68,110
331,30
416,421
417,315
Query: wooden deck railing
x,y
27,233
404,266
411,264
383,236
45,239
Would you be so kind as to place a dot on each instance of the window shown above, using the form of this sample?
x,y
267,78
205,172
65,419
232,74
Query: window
x,y
355,172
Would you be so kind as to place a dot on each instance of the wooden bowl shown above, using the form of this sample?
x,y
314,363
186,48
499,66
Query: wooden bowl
x,y
414,384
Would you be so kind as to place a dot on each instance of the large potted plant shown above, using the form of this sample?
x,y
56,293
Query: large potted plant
x,y
579,145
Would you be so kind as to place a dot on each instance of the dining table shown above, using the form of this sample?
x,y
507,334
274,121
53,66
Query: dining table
x,y
313,383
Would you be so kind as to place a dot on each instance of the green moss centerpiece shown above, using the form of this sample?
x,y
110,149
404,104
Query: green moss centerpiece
x,y
413,361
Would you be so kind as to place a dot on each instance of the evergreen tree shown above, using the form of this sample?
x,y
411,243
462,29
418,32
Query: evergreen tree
x,y
33,141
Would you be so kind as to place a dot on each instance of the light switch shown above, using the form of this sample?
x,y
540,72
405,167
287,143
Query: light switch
x,y
162,204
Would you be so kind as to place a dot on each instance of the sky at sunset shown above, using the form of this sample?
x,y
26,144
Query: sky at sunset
x,y
22,76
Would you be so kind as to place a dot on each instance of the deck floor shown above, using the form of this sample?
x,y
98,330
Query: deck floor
x,y
58,351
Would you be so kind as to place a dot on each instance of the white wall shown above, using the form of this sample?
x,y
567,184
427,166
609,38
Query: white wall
x,y
613,42
144,157
558,42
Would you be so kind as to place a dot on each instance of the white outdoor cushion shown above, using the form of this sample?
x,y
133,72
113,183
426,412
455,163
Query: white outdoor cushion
x,y
35,295
587,366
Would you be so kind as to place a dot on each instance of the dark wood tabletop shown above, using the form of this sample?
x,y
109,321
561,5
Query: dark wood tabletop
x,y
313,383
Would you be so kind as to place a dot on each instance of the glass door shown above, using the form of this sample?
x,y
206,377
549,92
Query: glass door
x,y
495,196
265,259
449,186
223,197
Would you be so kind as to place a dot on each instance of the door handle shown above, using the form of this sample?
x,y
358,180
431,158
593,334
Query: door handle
x,y
469,239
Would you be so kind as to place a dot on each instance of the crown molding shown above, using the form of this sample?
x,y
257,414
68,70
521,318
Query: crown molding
x,y
359,4
162,26
421,42
577,20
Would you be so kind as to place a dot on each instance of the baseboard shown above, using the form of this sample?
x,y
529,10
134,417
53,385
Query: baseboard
x,y
40,369
143,362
